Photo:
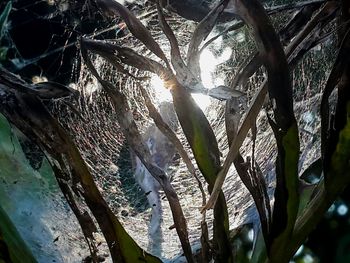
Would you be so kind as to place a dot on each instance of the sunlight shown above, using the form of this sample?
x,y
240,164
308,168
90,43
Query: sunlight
x,y
208,63
203,101
161,93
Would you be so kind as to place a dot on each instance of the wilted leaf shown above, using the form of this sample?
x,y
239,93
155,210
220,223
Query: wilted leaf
x,y
53,90
203,143
200,33
134,138
29,114
135,26
115,53
224,93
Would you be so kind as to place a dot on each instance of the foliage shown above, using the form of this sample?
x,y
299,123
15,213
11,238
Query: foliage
x,y
3,23
12,247
297,207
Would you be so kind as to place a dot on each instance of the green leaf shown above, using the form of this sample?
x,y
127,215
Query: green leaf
x,y
12,247
28,113
3,18
203,143
3,53
198,133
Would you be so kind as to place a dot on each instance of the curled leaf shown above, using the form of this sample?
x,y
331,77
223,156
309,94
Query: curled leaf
x,y
224,93
200,33
53,90
135,26
116,53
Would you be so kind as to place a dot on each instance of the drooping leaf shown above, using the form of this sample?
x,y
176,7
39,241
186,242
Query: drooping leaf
x,y
134,138
339,77
224,32
53,90
135,26
29,114
224,93
200,33
204,146
115,53
44,90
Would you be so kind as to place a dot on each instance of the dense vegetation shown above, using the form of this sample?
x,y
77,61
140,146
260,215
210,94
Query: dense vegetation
x,y
299,201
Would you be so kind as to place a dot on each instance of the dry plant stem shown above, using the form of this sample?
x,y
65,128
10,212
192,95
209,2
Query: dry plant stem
x,y
229,29
248,120
31,117
297,5
200,33
253,180
327,9
245,72
113,8
284,126
168,132
134,139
